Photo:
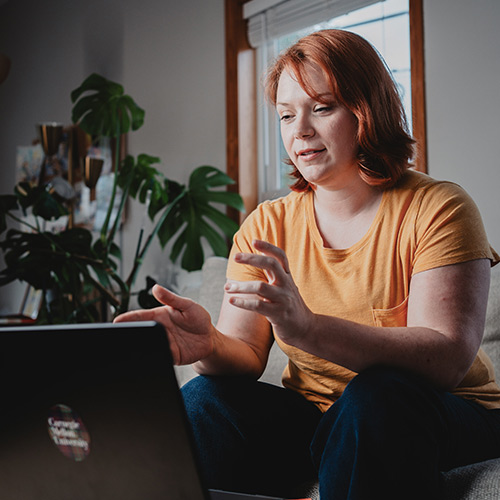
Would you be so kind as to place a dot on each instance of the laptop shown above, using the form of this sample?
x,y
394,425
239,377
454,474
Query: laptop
x,y
94,412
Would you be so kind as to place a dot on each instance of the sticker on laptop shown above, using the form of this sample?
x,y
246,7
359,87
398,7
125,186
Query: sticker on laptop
x,y
68,432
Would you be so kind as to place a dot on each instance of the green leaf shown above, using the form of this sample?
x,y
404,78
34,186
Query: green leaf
x,y
124,115
206,176
76,241
102,108
98,83
82,107
170,226
141,175
227,225
115,250
232,199
136,113
192,258
216,241
48,207
102,276
194,218
44,203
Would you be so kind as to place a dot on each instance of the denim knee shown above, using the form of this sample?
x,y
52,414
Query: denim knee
x,y
381,434
384,403
197,390
386,389
250,436
203,392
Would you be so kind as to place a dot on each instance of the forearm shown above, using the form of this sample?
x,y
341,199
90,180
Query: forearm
x,y
231,356
422,350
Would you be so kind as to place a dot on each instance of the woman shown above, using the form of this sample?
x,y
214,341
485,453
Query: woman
x,y
371,277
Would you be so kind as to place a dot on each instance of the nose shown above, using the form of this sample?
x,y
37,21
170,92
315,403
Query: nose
x,y
303,127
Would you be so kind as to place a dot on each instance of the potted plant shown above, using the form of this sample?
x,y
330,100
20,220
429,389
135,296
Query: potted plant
x,y
82,272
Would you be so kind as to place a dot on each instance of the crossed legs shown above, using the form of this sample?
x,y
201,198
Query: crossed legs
x,y
389,435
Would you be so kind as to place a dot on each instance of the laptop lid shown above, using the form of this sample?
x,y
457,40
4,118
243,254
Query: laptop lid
x,y
93,412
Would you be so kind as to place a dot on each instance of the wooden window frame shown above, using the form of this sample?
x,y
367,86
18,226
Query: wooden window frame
x,y
241,100
417,62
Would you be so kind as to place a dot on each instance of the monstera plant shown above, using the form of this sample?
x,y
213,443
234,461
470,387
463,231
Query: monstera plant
x,y
77,271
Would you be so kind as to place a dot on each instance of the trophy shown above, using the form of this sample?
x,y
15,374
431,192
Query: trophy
x,y
51,135
91,173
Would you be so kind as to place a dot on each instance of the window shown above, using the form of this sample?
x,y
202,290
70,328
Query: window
x,y
385,24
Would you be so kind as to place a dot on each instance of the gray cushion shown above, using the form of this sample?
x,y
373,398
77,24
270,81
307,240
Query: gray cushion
x,y
473,482
211,291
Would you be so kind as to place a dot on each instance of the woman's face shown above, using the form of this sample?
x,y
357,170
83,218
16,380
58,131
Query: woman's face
x,y
319,138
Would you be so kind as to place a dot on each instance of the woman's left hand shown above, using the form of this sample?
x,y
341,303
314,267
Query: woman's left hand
x,y
278,299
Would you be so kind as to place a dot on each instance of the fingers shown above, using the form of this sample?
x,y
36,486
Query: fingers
x,y
272,251
168,298
263,307
139,315
271,259
173,302
161,294
264,290
278,298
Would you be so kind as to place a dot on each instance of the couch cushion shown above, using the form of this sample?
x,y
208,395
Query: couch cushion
x,y
473,482
212,288
210,296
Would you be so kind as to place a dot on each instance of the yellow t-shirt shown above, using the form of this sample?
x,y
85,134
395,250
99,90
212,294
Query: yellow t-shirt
x,y
420,224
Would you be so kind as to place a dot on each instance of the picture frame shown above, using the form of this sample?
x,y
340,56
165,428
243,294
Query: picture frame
x,y
31,303
28,311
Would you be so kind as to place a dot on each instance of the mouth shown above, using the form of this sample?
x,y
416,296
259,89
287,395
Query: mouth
x,y
310,153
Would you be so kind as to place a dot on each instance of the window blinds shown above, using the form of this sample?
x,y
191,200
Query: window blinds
x,y
269,19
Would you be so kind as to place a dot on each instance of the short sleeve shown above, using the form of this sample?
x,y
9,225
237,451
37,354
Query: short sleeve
x,y
449,229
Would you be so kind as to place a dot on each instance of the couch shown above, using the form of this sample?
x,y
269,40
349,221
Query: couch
x,y
479,481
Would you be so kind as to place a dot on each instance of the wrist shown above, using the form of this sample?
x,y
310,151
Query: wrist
x,y
298,333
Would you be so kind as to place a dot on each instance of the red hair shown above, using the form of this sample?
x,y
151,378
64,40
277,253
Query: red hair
x,y
359,80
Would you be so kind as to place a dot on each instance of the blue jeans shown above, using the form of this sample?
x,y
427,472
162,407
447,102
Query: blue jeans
x,y
388,436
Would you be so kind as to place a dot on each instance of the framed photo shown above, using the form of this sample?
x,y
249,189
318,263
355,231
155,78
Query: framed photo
x,y
31,303
28,162
30,308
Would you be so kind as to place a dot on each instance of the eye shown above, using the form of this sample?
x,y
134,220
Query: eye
x,y
323,109
285,117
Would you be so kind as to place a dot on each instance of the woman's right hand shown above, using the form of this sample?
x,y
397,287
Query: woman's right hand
x,y
188,325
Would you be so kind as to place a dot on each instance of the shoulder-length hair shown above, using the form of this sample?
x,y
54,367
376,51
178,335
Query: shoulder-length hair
x,y
359,80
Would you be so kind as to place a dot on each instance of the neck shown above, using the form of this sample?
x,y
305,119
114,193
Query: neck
x,y
344,216
348,202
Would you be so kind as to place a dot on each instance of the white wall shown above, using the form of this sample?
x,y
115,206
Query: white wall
x,y
462,53
169,55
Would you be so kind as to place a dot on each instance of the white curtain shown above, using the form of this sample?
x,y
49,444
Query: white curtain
x,y
269,19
